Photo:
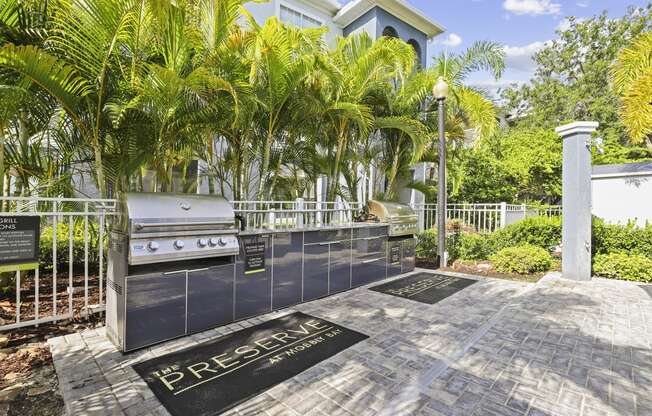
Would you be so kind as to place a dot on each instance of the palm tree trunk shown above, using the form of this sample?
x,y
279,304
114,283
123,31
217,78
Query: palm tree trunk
x,y
335,179
22,182
99,168
393,172
277,172
265,166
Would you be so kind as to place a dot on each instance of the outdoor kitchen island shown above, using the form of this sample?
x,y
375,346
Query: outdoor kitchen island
x,y
304,265
181,275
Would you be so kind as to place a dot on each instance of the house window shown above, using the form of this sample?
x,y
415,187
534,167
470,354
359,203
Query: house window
x,y
390,32
298,19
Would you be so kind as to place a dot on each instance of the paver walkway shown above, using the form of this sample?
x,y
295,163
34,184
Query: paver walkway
x,y
495,348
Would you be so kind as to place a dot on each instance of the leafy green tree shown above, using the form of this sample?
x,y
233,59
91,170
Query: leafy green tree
x,y
572,80
516,165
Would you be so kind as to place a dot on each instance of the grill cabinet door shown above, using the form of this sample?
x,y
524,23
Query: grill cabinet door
x,y
340,266
156,308
210,297
369,263
408,256
287,270
315,271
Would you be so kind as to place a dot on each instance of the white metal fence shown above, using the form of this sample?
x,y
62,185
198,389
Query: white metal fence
x,y
70,277
70,274
484,218
279,215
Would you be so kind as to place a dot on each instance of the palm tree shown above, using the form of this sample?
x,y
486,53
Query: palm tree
x,y
404,131
466,107
80,67
282,57
632,80
359,72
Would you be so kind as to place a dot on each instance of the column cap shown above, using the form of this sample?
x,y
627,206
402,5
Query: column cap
x,y
577,128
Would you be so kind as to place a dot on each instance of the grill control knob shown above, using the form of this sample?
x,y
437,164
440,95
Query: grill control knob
x,y
202,242
221,242
213,241
179,244
152,246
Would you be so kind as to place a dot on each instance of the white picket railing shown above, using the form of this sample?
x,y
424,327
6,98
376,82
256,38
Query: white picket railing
x,y
68,216
483,218
74,260
285,215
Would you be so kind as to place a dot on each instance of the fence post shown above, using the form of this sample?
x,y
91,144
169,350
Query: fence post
x,y
503,215
576,199
299,213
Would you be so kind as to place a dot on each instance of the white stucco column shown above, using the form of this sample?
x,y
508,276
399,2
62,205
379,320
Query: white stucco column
x,y
576,199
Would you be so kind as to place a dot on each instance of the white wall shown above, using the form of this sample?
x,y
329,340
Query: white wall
x,y
262,11
624,198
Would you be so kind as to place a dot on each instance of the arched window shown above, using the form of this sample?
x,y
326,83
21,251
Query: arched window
x,y
417,48
390,32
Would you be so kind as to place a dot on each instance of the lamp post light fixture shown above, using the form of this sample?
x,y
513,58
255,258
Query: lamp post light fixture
x,y
440,92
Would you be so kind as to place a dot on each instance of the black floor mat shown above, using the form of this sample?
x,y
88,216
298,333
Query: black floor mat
x,y
424,287
213,377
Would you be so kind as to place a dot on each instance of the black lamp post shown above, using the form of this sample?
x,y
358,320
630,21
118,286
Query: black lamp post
x,y
440,92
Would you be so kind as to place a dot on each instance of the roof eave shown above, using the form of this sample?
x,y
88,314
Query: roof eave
x,y
399,8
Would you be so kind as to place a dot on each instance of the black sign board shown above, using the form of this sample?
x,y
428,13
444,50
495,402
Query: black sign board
x,y
424,287
254,256
395,254
19,242
213,377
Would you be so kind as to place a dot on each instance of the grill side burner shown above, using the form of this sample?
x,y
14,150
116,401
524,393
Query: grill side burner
x,y
171,267
402,219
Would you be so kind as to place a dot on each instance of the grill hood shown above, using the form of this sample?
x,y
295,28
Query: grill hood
x,y
165,227
401,218
152,212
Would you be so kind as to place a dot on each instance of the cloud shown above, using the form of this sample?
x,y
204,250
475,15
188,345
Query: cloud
x,y
565,23
582,4
451,40
520,57
531,7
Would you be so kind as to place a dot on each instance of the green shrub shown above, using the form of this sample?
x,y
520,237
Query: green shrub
x,y
612,238
472,247
465,246
544,232
523,259
427,244
63,229
625,266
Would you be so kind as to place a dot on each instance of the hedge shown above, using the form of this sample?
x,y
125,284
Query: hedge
x,y
613,238
625,266
45,245
524,259
544,232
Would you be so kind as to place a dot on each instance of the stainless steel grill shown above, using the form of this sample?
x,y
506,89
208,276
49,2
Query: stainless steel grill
x,y
401,218
172,227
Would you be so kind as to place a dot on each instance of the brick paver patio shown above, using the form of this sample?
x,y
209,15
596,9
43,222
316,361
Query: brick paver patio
x,y
495,348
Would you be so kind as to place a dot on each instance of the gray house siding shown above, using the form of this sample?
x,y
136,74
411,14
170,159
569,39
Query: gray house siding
x,y
405,31
377,19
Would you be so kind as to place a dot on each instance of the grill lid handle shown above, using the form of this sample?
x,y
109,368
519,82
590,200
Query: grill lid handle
x,y
142,225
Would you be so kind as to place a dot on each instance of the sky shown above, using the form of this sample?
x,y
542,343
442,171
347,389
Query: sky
x,y
522,26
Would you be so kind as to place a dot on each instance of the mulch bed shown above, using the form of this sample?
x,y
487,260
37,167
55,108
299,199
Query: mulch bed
x,y
28,381
46,304
480,268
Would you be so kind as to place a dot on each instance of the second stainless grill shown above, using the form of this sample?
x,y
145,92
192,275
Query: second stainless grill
x,y
402,219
